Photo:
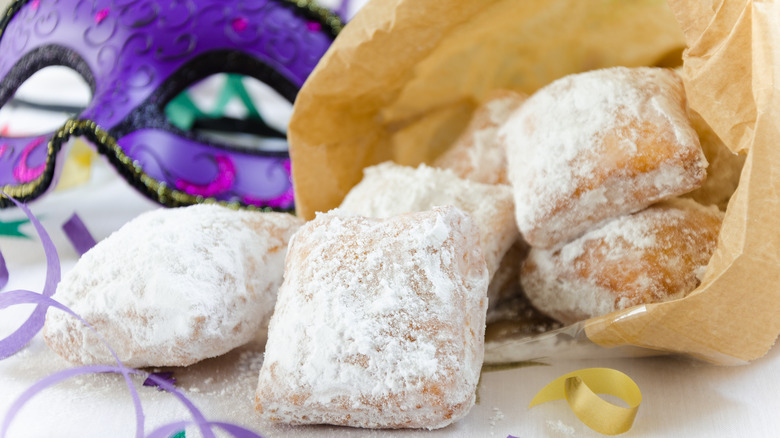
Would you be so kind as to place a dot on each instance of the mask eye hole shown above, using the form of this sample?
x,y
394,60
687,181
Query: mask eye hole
x,y
44,102
235,110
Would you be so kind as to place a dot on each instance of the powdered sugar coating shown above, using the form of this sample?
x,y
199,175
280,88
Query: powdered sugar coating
x,y
478,155
595,145
173,287
651,256
389,189
379,323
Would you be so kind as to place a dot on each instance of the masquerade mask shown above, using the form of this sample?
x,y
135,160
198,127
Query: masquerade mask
x,y
137,56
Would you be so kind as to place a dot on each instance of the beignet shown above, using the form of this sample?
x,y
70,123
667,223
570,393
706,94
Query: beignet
x,y
654,255
478,155
173,287
388,189
379,323
595,145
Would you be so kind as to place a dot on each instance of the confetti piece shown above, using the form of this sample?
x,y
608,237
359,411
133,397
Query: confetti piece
x,y
77,169
166,376
78,234
11,229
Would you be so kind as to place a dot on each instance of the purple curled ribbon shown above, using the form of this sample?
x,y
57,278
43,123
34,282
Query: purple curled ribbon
x,y
18,339
4,277
21,337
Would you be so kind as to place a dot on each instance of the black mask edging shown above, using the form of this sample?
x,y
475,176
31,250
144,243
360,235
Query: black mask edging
x,y
107,145
151,113
38,59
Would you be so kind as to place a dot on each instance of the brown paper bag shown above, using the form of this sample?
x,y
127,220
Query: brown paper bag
x,y
402,77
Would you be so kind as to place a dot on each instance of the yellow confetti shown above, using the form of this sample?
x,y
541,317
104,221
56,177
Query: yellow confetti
x,y
78,165
580,389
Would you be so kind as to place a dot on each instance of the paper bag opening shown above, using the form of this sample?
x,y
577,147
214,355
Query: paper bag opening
x,y
404,75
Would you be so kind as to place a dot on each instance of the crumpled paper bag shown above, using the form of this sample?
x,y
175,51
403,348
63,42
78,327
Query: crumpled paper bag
x,y
403,77
729,72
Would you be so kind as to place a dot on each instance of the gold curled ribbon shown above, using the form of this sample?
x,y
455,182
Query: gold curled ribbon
x,y
579,388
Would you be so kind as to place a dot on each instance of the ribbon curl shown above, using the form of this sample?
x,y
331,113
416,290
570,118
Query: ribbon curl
x,y
15,342
580,389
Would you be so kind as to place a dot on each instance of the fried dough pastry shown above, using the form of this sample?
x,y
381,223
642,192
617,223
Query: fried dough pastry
x,y
654,255
478,155
379,323
173,287
389,189
595,145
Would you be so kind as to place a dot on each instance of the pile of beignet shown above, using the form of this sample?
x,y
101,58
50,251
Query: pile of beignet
x,y
589,170
588,156
591,195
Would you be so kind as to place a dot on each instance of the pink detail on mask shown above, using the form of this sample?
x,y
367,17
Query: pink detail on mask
x,y
25,174
101,15
240,24
226,176
3,150
35,4
313,26
284,201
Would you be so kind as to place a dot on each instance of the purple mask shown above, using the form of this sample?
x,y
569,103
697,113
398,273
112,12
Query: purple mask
x,y
137,55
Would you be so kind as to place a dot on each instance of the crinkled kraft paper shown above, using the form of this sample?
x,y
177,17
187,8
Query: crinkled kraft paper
x,y
401,81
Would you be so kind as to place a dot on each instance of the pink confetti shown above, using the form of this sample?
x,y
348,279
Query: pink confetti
x,y
3,150
34,5
101,15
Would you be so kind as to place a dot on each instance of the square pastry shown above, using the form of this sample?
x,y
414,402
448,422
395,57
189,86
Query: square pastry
x,y
388,189
379,323
655,255
173,286
596,145
478,154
